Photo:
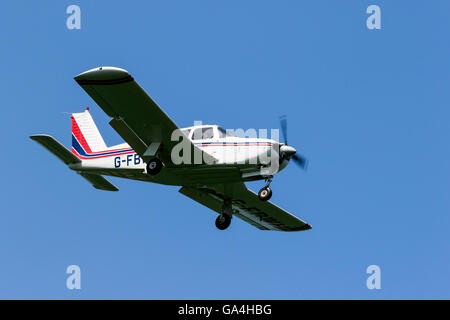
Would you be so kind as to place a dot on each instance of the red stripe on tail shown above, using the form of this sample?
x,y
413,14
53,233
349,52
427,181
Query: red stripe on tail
x,y
79,135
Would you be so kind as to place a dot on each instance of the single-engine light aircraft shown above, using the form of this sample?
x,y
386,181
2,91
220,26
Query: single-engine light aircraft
x,y
210,164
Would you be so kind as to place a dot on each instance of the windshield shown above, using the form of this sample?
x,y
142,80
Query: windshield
x,y
186,132
204,133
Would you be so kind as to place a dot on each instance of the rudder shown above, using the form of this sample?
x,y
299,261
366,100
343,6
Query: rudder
x,y
85,135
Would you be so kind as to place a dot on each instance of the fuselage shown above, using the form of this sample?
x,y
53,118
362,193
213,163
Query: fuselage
x,y
256,158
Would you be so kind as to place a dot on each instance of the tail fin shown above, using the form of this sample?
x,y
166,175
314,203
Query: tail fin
x,y
85,135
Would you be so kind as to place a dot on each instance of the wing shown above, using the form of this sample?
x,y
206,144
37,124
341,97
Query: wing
x,y
136,117
247,206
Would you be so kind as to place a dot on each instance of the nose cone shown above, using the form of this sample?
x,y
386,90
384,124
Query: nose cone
x,y
287,151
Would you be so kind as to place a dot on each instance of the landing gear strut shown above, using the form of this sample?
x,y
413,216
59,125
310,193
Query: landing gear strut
x,y
265,193
223,221
154,166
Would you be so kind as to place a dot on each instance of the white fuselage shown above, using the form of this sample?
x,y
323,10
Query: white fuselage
x,y
226,149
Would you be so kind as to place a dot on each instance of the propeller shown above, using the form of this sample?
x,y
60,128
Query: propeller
x,y
283,125
288,151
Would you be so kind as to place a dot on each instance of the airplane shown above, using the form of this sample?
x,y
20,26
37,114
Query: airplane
x,y
210,164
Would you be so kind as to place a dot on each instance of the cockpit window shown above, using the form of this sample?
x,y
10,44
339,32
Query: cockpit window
x,y
197,135
225,133
208,133
203,133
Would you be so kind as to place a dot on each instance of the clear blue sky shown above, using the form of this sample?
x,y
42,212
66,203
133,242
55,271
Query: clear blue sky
x,y
370,109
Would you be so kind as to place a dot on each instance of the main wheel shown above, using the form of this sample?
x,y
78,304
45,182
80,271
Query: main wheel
x,y
154,166
223,221
265,194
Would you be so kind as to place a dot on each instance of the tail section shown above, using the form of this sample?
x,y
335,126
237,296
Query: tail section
x,y
86,138
87,142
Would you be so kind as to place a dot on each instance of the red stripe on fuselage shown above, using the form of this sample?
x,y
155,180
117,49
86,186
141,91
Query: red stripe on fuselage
x,y
234,145
99,157
112,150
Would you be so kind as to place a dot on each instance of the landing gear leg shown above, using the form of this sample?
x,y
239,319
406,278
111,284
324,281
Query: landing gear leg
x,y
223,221
265,193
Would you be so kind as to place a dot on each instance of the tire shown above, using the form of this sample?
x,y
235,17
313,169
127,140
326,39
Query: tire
x,y
223,221
154,166
265,194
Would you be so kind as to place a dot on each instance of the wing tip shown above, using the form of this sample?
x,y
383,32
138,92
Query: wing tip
x,y
305,227
38,136
103,76
113,188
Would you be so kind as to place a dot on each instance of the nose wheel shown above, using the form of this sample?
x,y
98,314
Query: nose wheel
x,y
265,193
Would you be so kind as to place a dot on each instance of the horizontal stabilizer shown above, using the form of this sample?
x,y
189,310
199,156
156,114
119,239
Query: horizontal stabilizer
x,y
98,181
52,145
